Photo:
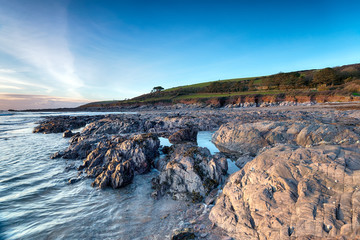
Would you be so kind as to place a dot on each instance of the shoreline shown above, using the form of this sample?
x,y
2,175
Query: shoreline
x,y
251,136
276,106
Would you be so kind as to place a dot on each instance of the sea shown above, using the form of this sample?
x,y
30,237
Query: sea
x,y
37,202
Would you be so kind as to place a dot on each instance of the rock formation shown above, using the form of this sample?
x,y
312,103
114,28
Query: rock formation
x,y
115,161
59,124
190,173
293,192
250,138
184,135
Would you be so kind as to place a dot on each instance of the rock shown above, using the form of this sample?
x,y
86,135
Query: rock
x,y
68,134
57,155
117,175
291,191
115,161
203,235
74,180
250,138
210,199
183,234
190,173
241,161
184,135
60,124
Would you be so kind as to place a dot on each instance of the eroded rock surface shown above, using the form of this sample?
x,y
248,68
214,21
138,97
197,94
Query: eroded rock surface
x,y
115,161
250,138
293,192
191,173
184,135
60,124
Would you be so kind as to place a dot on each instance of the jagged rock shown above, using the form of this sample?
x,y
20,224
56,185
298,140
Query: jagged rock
x,y
115,161
190,173
60,124
184,135
80,147
250,138
297,192
118,174
67,134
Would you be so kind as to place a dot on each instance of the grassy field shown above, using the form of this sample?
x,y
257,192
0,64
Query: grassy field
x,y
205,84
211,95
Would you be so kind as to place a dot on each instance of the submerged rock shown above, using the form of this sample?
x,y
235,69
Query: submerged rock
x,y
191,173
296,192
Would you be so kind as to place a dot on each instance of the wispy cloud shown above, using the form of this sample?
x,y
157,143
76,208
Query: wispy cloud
x,y
3,86
15,83
39,38
7,71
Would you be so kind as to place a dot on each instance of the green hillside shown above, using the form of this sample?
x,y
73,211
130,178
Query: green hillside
x,y
343,81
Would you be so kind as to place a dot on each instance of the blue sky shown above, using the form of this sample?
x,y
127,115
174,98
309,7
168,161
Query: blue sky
x,y
64,53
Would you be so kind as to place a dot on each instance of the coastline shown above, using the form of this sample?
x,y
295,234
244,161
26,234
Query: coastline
x,y
319,126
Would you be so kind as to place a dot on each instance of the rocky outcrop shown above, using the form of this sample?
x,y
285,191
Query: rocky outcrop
x,y
115,161
184,135
80,146
291,192
191,173
60,124
250,138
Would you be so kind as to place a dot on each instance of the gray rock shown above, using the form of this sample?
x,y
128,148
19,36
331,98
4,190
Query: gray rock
x,y
183,234
296,192
250,138
114,162
184,135
241,161
190,173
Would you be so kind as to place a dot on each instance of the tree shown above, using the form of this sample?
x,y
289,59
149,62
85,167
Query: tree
x,y
325,76
157,89
251,85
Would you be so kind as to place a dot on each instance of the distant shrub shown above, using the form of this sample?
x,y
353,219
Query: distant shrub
x,y
322,87
325,76
353,86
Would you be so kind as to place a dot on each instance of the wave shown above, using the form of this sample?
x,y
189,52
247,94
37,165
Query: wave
x,y
6,114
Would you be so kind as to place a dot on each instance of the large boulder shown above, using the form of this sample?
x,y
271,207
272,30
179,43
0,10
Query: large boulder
x,y
293,192
115,161
250,138
184,135
190,173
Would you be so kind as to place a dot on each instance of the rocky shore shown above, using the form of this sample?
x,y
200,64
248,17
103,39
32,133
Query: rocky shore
x,y
299,174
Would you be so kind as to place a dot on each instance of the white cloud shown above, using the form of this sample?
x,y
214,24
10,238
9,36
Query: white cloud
x,y
5,70
39,38
3,86
22,84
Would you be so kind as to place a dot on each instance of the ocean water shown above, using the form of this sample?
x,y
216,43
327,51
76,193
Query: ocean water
x,y
36,201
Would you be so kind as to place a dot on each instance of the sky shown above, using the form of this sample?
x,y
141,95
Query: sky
x,y
63,53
